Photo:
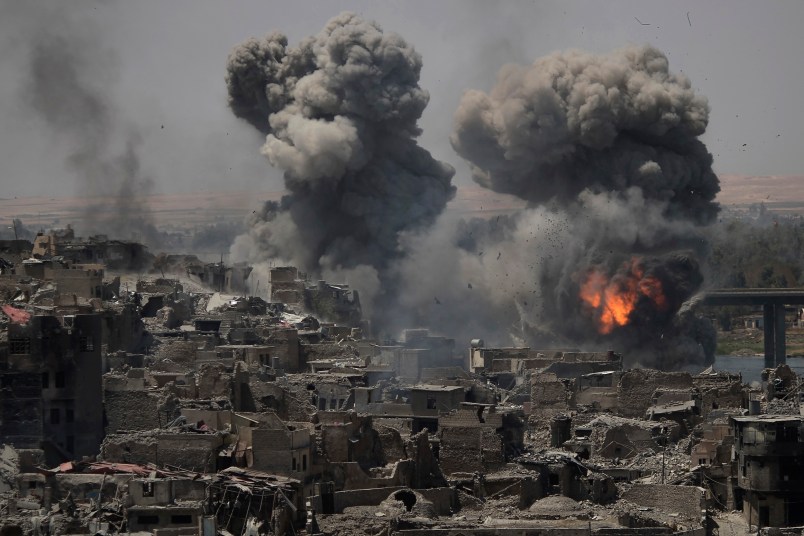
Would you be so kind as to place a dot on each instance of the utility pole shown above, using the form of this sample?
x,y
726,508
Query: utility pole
x,y
16,238
664,449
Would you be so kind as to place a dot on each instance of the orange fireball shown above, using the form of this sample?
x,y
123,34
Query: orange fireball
x,y
612,300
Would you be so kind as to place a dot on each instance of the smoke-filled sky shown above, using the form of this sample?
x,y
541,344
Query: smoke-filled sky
x,y
162,64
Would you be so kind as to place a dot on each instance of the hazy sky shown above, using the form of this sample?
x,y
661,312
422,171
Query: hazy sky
x,y
161,67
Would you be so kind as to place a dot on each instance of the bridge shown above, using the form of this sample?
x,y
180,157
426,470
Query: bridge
x,y
773,302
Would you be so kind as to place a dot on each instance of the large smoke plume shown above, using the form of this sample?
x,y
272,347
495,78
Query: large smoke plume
x,y
69,76
606,150
340,114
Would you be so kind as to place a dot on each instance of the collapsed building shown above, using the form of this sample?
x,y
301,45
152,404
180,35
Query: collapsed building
x,y
174,409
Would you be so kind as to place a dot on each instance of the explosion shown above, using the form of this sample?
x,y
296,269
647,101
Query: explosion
x,y
613,300
606,151
339,113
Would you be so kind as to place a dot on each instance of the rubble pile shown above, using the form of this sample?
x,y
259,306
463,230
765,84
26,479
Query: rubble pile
x,y
165,405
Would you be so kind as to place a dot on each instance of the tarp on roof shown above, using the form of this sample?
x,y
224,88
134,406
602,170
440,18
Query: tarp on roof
x,y
16,316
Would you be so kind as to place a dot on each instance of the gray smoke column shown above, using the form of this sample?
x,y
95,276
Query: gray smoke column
x,y
605,149
69,75
340,115
574,121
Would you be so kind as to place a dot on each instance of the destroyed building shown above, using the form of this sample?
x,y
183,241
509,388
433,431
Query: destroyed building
x,y
770,464
51,385
177,408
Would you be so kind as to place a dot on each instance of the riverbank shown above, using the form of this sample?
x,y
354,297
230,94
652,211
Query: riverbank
x,y
750,342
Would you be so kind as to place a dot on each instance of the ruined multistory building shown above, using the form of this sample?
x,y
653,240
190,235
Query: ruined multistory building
x,y
769,454
97,249
51,386
222,278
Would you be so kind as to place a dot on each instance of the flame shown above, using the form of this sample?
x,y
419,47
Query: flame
x,y
614,299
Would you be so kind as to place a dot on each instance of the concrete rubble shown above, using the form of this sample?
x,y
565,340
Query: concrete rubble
x,y
172,404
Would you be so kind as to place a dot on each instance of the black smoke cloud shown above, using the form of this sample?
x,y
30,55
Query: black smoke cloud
x,y
340,113
575,121
605,150
69,75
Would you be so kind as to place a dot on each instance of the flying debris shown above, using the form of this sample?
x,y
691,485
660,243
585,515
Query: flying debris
x,y
606,150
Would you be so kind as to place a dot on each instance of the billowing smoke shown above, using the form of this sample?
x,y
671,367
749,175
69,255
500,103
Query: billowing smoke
x,y
606,150
574,121
340,114
68,80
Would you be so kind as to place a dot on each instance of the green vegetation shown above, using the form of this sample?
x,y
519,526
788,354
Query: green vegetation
x,y
762,251
728,346
750,341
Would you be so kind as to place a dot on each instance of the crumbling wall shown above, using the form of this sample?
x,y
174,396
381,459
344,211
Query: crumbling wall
x,y
82,487
636,388
192,452
719,391
259,396
138,448
272,450
131,410
685,500
327,350
427,471
460,450
393,447
547,392
21,409
353,441
213,382
285,343
176,351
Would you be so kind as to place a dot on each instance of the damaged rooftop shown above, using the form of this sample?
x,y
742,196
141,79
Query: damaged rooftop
x,y
176,402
